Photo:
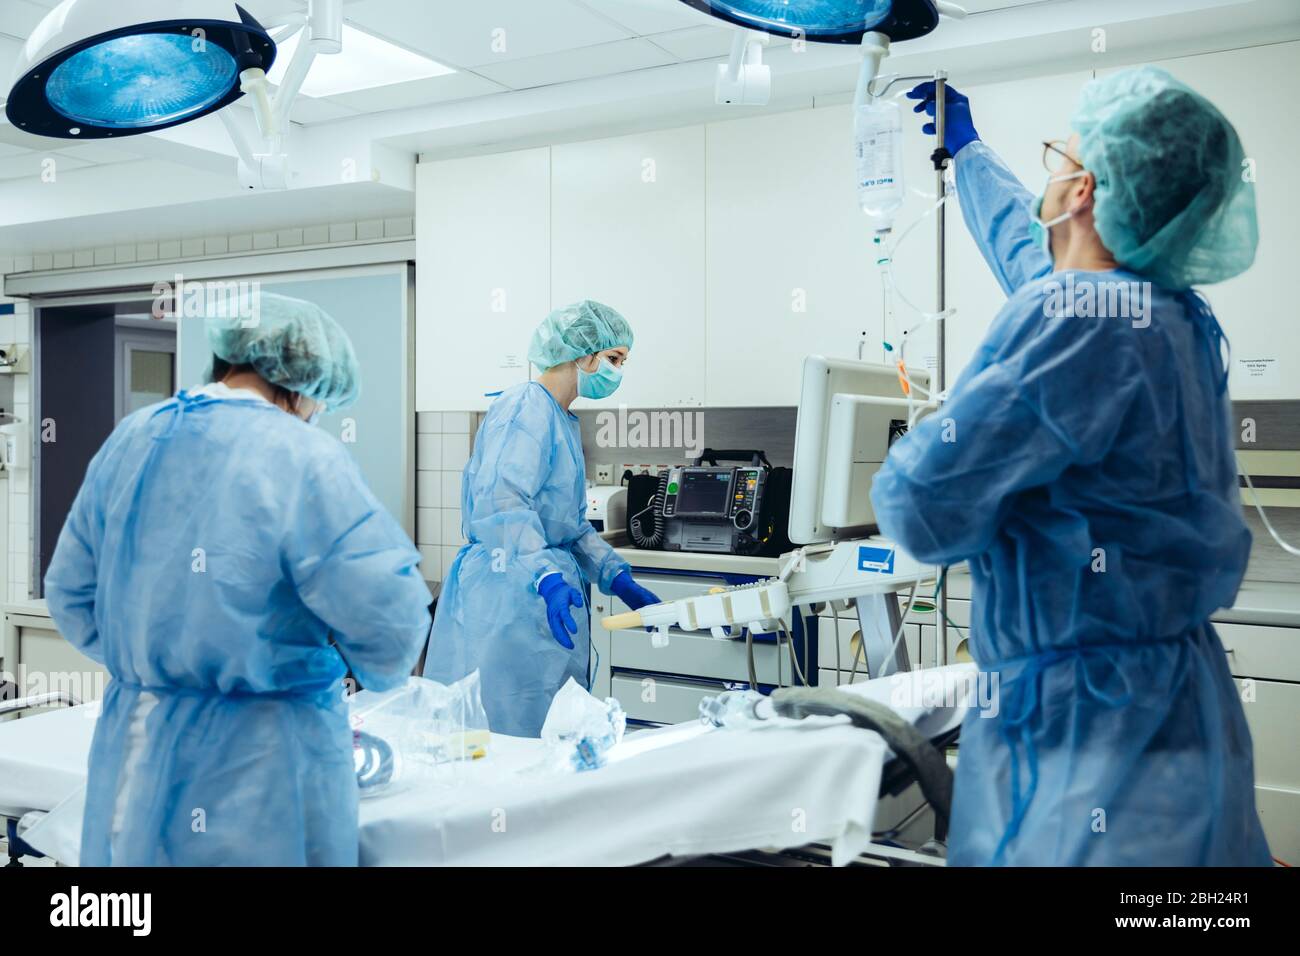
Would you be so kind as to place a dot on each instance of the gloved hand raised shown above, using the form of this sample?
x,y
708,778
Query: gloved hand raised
x,y
958,127
631,593
560,596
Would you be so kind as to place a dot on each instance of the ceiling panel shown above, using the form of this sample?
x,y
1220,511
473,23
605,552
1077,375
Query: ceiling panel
x,y
33,164
481,32
97,154
603,59
435,89
18,18
644,17
696,43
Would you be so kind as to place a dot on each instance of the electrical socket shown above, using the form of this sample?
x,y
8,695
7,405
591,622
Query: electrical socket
x,y
604,474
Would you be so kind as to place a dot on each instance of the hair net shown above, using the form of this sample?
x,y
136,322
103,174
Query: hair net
x,y
291,343
583,328
1172,200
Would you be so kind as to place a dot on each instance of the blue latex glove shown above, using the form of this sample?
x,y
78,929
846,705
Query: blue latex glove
x,y
560,596
631,593
958,128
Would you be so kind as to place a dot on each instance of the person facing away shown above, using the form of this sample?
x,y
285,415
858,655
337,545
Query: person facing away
x,y
1084,466
507,603
227,564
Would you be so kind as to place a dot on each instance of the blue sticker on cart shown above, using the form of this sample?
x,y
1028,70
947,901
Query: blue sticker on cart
x,y
879,560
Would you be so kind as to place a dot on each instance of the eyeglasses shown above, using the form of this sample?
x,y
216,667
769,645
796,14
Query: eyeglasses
x,y
1056,157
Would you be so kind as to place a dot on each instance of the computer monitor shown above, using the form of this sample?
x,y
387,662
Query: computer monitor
x,y
849,414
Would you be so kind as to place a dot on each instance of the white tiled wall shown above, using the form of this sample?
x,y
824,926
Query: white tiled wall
x,y
17,328
442,449
373,230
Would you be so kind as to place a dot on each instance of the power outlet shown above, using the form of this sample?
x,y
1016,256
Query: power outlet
x,y
604,474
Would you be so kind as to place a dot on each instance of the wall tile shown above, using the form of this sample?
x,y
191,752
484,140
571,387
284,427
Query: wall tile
x,y
428,489
428,452
455,423
431,562
455,452
451,487
428,525
451,531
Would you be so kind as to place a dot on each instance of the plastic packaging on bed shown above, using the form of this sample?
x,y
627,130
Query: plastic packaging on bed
x,y
422,730
580,730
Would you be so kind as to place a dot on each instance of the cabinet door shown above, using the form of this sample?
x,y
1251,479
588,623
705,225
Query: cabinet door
x,y
791,261
483,283
628,230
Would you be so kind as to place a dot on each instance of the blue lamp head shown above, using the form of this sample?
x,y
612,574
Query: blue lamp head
x,y
94,69
827,21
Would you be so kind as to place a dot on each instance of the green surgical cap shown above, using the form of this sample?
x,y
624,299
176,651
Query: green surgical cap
x,y
1174,202
583,328
290,343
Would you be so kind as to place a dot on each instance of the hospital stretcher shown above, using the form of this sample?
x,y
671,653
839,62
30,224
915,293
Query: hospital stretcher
x,y
670,794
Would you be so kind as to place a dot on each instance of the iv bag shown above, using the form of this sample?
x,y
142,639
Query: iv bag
x,y
878,150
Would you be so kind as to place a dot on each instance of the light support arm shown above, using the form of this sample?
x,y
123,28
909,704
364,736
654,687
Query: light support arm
x,y
744,79
321,32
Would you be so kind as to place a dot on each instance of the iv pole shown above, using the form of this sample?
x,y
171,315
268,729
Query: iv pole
x,y
941,159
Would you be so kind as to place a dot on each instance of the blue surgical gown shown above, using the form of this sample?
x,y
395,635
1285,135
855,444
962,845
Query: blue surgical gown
x,y
226,563
1084,467
523,507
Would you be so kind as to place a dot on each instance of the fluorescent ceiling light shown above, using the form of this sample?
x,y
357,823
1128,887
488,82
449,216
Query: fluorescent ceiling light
x,y
365,63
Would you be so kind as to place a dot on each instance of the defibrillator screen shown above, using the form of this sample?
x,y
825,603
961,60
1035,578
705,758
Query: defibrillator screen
x,y
705,493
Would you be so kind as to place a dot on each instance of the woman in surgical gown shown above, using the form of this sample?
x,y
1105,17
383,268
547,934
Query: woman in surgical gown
x,y
1084,467
227,564
512,603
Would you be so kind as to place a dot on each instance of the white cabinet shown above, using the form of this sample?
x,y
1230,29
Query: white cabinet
x,y
483,282
627,229
791,261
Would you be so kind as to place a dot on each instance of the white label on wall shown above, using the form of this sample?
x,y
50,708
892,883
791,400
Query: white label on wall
x,y
511,361
1261,370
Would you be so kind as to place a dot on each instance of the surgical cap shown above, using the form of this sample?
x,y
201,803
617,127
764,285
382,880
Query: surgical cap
x,y
583,328
290,343
1173,200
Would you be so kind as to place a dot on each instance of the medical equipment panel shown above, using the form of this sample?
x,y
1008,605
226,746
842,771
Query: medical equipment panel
x,y
714,509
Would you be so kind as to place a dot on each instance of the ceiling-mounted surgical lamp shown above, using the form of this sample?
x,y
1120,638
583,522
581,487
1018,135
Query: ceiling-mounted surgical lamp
x,y
95,69
873,24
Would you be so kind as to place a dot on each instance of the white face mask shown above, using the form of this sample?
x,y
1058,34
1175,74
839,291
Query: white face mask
x,y
1040,231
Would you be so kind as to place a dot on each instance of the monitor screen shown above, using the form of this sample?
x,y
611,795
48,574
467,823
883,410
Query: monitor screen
x,y
704,492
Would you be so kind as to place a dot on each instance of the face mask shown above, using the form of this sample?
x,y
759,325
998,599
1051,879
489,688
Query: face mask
x,y
601,383
1040,231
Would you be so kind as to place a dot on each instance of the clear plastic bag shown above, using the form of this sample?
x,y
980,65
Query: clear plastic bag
x,y
422,730
580,730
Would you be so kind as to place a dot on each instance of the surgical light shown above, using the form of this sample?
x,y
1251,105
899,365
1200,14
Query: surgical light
x,y
99,68
827,21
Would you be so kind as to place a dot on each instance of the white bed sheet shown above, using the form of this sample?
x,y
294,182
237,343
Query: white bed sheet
x,y
676,791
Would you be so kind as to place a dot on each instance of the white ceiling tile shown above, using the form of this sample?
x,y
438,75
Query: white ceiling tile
x,y
7,149
602,60
644,17
435,89
479,32
308,110
18,18
97,154
33,165
697,43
